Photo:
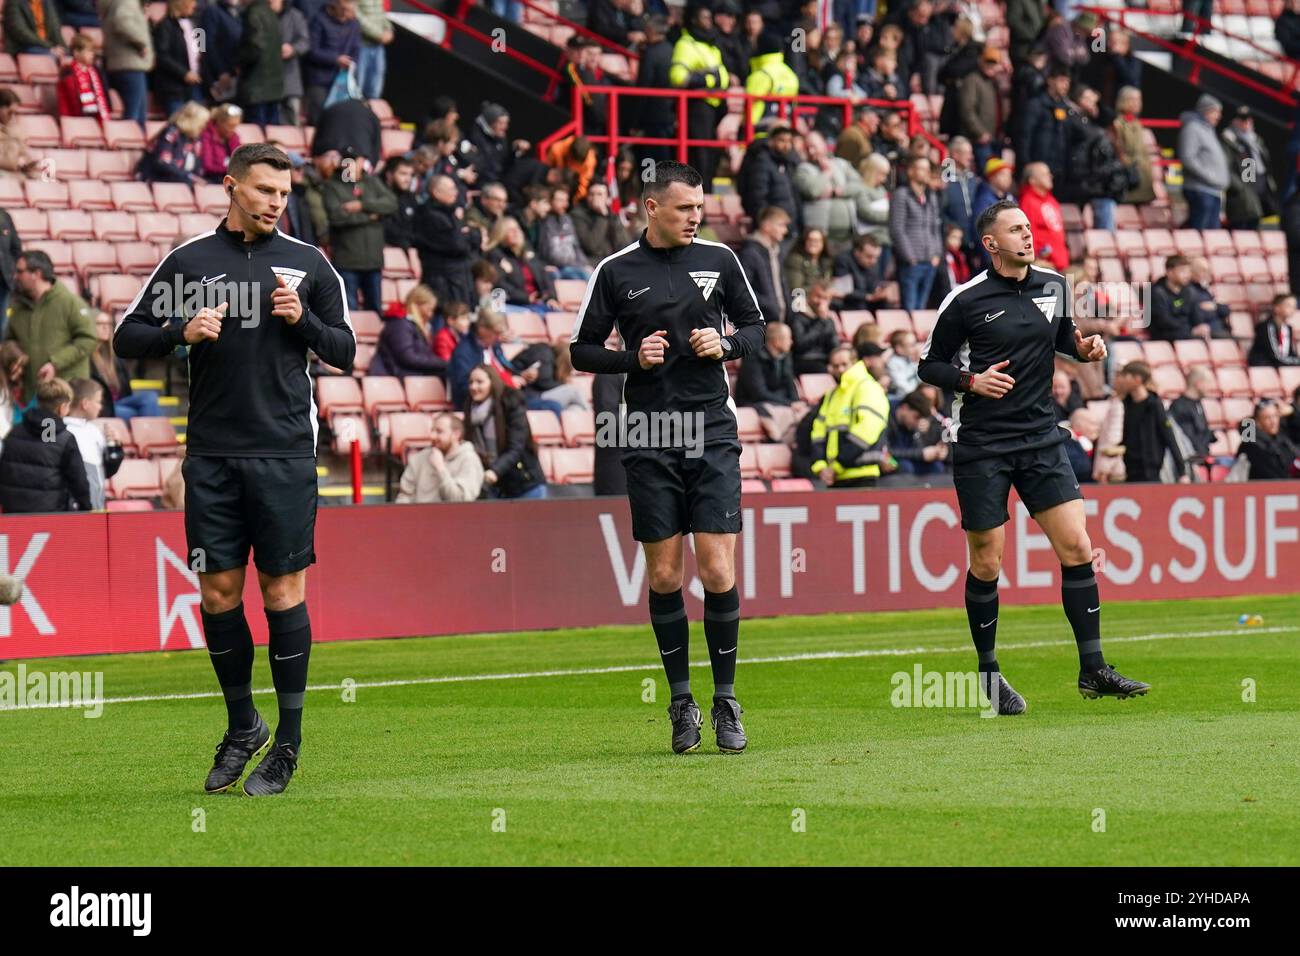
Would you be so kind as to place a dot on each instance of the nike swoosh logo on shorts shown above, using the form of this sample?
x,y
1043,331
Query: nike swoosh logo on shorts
x,y
207,281
990,318
290,657
733,514
633,295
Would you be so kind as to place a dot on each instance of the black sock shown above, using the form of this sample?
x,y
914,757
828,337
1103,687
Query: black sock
x,y
982,614
673,632
1082,603
290,650
230,648
722,632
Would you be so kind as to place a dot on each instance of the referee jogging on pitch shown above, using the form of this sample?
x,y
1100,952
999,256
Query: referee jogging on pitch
x,y
1004,328
669,294
250,303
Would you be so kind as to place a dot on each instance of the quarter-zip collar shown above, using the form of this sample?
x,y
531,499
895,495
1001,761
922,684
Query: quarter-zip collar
x,y
1017,285
236,237
671,254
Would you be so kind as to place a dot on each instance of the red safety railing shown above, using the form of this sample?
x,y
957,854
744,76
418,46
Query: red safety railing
x,y
1161,124
456,26
1189,49
605,42
789,108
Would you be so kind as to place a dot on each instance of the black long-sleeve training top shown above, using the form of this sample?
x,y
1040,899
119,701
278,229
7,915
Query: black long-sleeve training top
x,y
250,391
641,290
984,321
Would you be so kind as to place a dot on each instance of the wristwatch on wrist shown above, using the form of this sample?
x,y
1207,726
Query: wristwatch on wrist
x,y
726,348
964,380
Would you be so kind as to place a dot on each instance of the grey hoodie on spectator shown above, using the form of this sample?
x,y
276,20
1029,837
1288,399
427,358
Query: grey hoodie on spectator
x,y
1205,167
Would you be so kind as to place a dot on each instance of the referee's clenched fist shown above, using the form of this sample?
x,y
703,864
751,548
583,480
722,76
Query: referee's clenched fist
x,y
206,324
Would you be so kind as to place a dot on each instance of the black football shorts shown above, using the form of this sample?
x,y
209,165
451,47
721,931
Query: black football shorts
x,y
1042,477
232,504
673,493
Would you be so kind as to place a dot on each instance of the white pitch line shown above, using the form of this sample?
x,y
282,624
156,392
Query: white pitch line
x,y
625,668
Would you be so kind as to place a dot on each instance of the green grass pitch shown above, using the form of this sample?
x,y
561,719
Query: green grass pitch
x,y
566,764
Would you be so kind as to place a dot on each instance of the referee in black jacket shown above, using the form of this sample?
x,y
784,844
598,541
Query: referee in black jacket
x,y
250,303
1004,328
669,294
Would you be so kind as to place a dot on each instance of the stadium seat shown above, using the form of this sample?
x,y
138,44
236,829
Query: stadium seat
x,y
250,133
774,461
1122,352
81,132
41,131
1233,382
132,197
113,226
117,291
195,224
167,467
347,429
1100,243
211,198
893,320
579,426
1162,242
851,319
546,428
923,321
1255,269
382,394
583,384
111,166
290,138
29,223
792,484
569,292
1213,412
1190,353
46,195
1225,269
89,195
1226,352
67,164
1130,243
749,461
1159,353
338,395
94,257
559,325
1112,270
60,252
752,486
72,225
528,326
1242,325
37,68
426,393
119,431
396,142
173,197
1236,410
813,386
136,478
397,264
1265,382
8,69
366,325
154,437
407,432
158,227
1247,242
1218,242
573,466
1273,240
748,426
128,504
383,111
124,134
1290,376
1153,216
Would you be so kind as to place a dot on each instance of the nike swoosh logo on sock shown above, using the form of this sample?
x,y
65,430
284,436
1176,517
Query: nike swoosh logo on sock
x,y
994,621
1094,610
673,651
219,653
728,650
290,657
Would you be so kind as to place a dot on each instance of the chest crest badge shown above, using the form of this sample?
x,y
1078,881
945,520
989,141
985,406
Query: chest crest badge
x,y
1047,305
291,277
707,281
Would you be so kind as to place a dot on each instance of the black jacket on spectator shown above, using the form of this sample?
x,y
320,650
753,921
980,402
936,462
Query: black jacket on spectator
x,y
398,226
172,60
38,475
767,179
814,339
1172,314
1216,318
1189,415
1148,435
348,123
1107,73
224,30
492,154
404,350
1047,135
769,289
510,276
865,281
1274,345
298,217
1269,457
605,19
446,251
765,378
735,55
1095,170
653,112
963,62
1027,85
599,235
516,465
11,247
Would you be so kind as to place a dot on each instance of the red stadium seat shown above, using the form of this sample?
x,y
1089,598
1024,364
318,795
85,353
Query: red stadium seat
x,y
249,133
81,132
89,195
893,320
195,224
812,387
528,326
46,195
1159,353
1123,352
1234,382
1255,268
396,142
119,431
382,394
136,258
107,166
546,428
117,291
579,426
8,69
1130,243
129,504
1226,352
158,227
173,197
41,131
397,264
1265,382
154,437
116,226
60,253
1237,410
211,198
1242,325
573,466
851,319
347,429
923,321
383,112
749,461
1247,242
1213,412
132,197
774,461
1190,353
1290,375
72,225
407,432
124,134
136,478
569,292
338,395
1218,242
1100,243
426,393
1225,269
792,484
748,425
559,325
1167,381
366,325
30,223
67,164
37,68
290,138
752,486
94,257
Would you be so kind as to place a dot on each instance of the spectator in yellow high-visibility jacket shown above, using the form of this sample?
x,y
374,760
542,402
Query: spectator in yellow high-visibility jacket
x,y
697,65
848,433
770,75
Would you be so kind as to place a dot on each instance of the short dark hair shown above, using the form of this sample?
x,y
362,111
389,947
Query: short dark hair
x,y
1173,262
84,388
771,212
1139,369
250,154
867,349
861,242
918,402
780,131
39,260
8,97
984,224
665,173
1282,297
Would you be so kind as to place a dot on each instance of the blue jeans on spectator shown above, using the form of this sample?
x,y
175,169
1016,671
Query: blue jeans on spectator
x,y
983,153
137,405
536,403
38,50
573,272
507,10
371,69
914,284
263,114
172,104
75,18
537,492
1202,209
133,87
368,283
1103,214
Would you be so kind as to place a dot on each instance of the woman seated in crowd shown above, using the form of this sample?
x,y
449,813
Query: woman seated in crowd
x,y
219,141
173,155
496,424
404,346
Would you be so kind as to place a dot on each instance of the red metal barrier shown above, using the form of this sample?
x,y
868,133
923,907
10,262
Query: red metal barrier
x,y
396,570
